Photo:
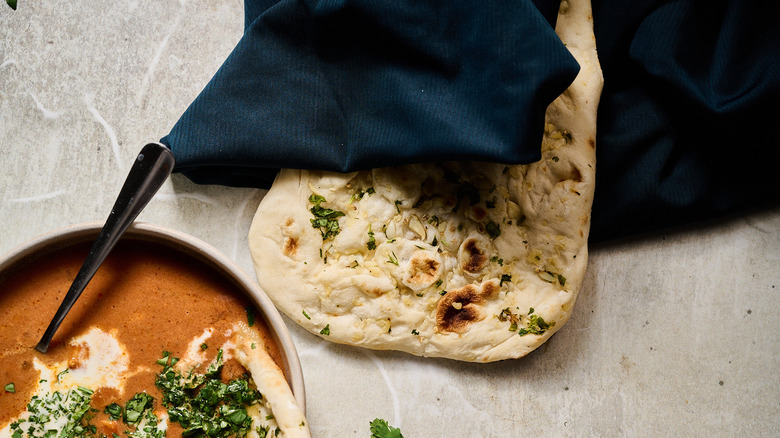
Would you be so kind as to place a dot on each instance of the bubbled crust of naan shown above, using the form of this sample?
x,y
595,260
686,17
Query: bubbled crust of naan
x,y
439,278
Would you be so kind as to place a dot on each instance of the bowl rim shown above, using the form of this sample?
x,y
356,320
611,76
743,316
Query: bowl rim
x,y
177,240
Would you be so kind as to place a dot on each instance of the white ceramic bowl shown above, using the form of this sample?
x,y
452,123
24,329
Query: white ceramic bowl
x,y
87,232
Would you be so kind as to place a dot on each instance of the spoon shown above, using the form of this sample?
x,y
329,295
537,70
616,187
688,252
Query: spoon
x,y
150,169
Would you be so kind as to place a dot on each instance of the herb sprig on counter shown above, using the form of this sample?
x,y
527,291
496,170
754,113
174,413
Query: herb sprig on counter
x,y
380,429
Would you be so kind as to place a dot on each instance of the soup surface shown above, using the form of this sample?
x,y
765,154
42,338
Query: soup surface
x,y
148,297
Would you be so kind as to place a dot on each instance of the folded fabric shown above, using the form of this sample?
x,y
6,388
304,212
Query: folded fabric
x,y
685,125
355,84
687,115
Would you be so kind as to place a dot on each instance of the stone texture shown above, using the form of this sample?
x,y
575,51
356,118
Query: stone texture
x,y
673,335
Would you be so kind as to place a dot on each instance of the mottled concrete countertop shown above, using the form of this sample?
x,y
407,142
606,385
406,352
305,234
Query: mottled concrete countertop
x,y
673,335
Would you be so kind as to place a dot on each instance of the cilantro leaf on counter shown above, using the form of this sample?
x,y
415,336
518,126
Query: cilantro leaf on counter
x,y
11,3
380,429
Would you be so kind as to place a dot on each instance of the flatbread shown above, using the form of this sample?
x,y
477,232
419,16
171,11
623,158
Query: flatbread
x,y
469,261
278,408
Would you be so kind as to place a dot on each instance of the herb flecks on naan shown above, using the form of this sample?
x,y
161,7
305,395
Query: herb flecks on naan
x,y
471,261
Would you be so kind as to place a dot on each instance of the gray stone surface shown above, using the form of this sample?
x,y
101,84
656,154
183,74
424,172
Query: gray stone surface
x,y
673,335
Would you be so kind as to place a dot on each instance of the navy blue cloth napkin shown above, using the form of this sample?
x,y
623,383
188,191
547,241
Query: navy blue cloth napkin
x,y
354,84
686,122
688,112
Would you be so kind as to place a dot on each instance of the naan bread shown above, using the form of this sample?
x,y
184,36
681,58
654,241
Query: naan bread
x,y
470,261
278,408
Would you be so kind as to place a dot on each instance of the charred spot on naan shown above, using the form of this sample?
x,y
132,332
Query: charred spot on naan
x,y
473,255
423,270
291,233
459,308
290,246
478,213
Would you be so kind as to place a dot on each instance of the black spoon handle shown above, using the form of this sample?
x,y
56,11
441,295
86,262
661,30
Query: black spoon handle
x,y
150,169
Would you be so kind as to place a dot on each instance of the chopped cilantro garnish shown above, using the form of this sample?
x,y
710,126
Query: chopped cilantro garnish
x,y
305,314
393,259
561,280
434,221
380,429
201,403
371,244
204,346
356,196
250,316
398,202
438,282
65,413
10,387
114,411
325,219
505,314
62,373
435,241
370,191
167,358
536,325
136,406
495,259
215,366
326,330
508,315
505,278
492,229
204,405
415,332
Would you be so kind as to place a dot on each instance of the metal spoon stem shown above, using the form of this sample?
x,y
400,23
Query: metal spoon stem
x,y
150,169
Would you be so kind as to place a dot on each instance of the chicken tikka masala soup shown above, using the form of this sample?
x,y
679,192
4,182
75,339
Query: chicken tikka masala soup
x,y
159,344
